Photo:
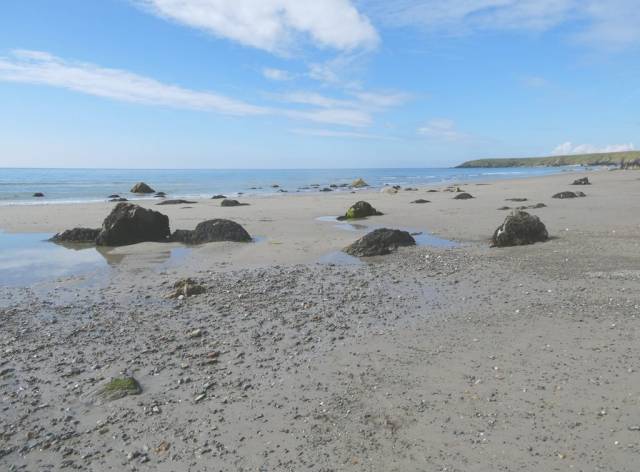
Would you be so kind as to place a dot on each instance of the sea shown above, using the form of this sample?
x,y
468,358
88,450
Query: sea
x,y
17,186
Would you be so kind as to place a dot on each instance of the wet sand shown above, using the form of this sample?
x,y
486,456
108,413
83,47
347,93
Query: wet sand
x,y
459,359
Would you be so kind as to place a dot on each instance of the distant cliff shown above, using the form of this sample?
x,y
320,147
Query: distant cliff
x,y
629,159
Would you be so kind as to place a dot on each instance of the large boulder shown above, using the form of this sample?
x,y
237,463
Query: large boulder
x,y
359,183
360,209
519,228
77,235
212,231
379,242
141,187
582,181
130,224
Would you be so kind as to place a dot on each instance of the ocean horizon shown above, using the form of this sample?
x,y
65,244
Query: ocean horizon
x,y
69,185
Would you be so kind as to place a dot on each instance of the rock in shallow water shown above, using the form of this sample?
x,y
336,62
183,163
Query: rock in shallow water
x,y
77,235
380,242
130,224
212,231
518,229
141,187
360,209
359,183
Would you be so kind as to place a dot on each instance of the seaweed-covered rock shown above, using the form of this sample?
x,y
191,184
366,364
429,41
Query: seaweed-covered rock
x,y
582,181
119,387
519,228
186,288
130,224
141,187
567,194
420,201
359,183
463,196
212,231
227,202
175,202
379,242
360,209
77,235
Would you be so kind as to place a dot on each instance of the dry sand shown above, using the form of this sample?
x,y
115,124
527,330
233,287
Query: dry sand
x,y
463,359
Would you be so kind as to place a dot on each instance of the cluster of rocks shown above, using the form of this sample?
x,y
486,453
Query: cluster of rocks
x,y
567,194
582,181
130,224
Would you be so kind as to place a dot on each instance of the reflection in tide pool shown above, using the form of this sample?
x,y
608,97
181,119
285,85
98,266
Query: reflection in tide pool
x,y
28,258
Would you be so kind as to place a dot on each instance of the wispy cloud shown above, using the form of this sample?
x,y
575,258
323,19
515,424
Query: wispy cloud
x,y
37,67
569,148
276,74
442,129
273,25
346,117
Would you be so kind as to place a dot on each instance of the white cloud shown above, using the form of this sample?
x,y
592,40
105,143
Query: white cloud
x,y
273,25
569,148
316,99
329,133
37,67
276,74
599,22
442,129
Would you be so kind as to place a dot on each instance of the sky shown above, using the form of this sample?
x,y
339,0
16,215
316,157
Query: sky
x,y
314,83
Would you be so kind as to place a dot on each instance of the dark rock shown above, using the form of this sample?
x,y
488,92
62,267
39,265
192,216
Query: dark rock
x,y
432,190
463,196
581,181
379,242
212,231
504,208
175,202
119,387
38,194
218,197
141,187
569,195
231,203
360,209
515,199
115,195
160,194
275,186
421,200
326,189
410,189
519,228
77,235
281,190
186,288
333,186
119,199
130,224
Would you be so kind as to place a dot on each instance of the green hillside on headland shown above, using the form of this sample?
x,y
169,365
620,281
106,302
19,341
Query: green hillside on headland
x,y
628,159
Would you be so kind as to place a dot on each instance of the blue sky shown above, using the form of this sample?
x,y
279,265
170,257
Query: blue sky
x,y
314,83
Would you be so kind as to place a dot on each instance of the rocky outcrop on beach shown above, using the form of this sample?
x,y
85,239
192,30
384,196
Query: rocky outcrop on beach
x,y
176,202
77,235
582,181
227,202
360,209
130,224
215,230
518,229
567,194
420,201
380,242
359,183
141,187
463,196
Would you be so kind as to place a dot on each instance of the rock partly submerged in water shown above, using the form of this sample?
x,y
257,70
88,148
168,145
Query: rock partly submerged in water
x,y
227,202
380,242
77,235
518,229
117,388
360,209
175,202
209,231
567,194
582,181
359,183
38,194
463,196
130,224
141,187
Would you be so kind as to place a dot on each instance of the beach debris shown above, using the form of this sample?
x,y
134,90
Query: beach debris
x,y
186,288
359,183
212,231
77,235
519,228
130,224
38,194
582,181
389,190
227,202
380,242
218,197
360,209
463,196
568,194
119,387
175,202
141,187
420,201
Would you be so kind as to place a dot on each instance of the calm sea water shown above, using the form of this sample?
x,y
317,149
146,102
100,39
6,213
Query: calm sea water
x,y
17,186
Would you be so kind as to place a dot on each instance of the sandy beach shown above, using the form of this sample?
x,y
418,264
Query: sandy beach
x,y
433,358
